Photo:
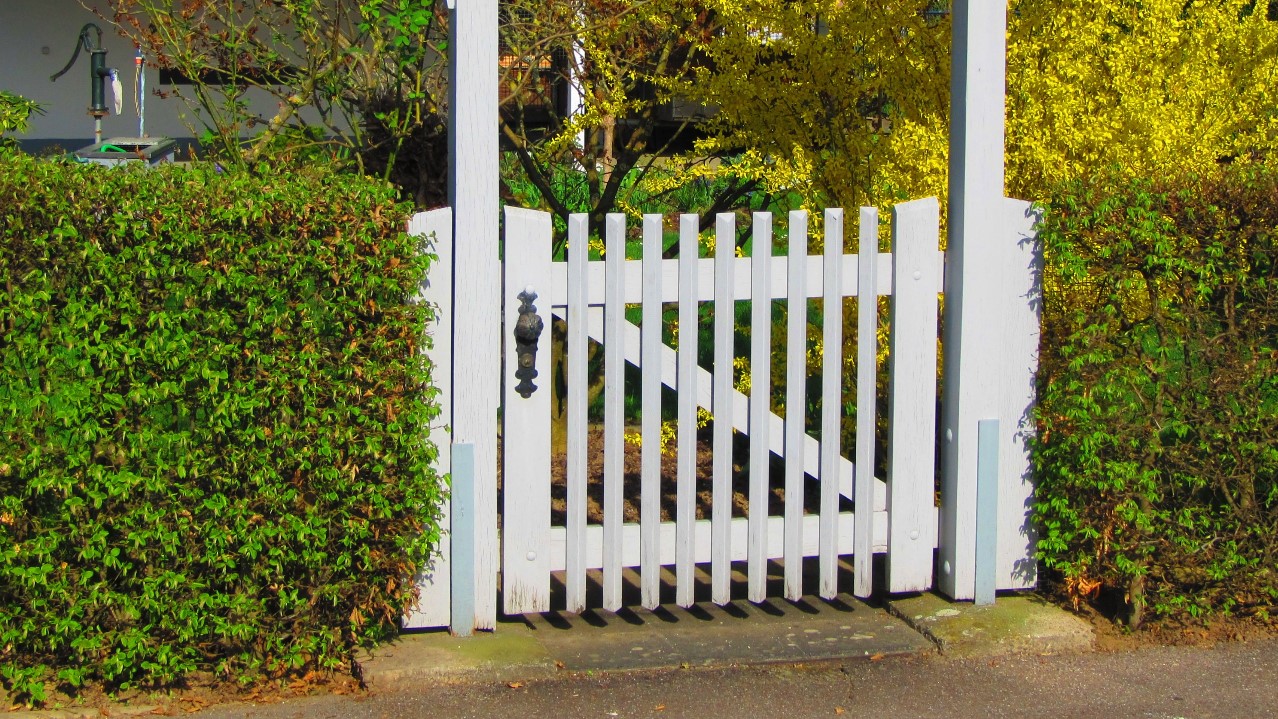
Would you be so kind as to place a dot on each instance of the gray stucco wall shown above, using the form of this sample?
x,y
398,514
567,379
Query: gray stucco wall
x,y
37,38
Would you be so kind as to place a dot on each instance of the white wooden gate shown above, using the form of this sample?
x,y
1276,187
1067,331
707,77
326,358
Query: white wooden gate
x,y
985,540
895,514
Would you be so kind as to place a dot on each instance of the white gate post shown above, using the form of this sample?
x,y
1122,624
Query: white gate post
x,y
975,298
472,192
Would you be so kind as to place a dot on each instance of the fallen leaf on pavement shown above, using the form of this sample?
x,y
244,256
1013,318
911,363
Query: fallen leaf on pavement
x,y
515,685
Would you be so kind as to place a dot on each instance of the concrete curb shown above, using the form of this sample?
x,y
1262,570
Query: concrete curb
x,y
509,654
1016,624
702,636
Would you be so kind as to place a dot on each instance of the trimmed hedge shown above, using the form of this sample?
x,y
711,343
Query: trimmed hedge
x,y
212,414
1157,449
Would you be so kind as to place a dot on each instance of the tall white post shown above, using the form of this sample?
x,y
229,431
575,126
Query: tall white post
x,y
976,186
472,192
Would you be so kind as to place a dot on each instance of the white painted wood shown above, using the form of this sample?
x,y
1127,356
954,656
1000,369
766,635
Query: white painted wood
x,y
1022,299
526,425
796,378
976,177
721,492
687,375
739,529
472,191
614,418
760,399
436,289
831,401
742,287
740,412
650,415
739,409
912,397
866,393
577,429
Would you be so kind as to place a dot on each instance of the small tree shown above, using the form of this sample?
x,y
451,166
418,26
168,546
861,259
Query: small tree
x,y
626,62
359,80
1156,87
813,92
848,100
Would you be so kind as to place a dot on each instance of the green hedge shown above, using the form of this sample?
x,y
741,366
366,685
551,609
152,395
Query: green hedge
x,y
212,413
1157,449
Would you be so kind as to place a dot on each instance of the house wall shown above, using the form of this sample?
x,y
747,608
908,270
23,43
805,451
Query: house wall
x,y
37,38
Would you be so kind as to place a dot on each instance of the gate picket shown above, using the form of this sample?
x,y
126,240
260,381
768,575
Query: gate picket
x,y
867,314
760,399
689,324
831,400
796,377
577,428
525,427
725,248
614,396
912,396
650,414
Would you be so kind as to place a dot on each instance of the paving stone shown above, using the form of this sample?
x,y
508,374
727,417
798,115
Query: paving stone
x,y
703,635
510,653
1014,624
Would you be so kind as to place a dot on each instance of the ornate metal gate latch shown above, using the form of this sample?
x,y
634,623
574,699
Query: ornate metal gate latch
x,y
527,329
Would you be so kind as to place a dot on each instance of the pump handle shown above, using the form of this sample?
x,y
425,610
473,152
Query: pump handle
x,y
81,42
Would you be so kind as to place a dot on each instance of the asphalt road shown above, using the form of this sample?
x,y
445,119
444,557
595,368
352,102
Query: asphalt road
x,y
1232,681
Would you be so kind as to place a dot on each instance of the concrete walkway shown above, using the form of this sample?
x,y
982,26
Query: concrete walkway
x,y
1235,681
917,656
741,633
540,646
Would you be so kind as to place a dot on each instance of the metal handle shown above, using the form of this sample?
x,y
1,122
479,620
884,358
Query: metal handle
x,y
527,330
